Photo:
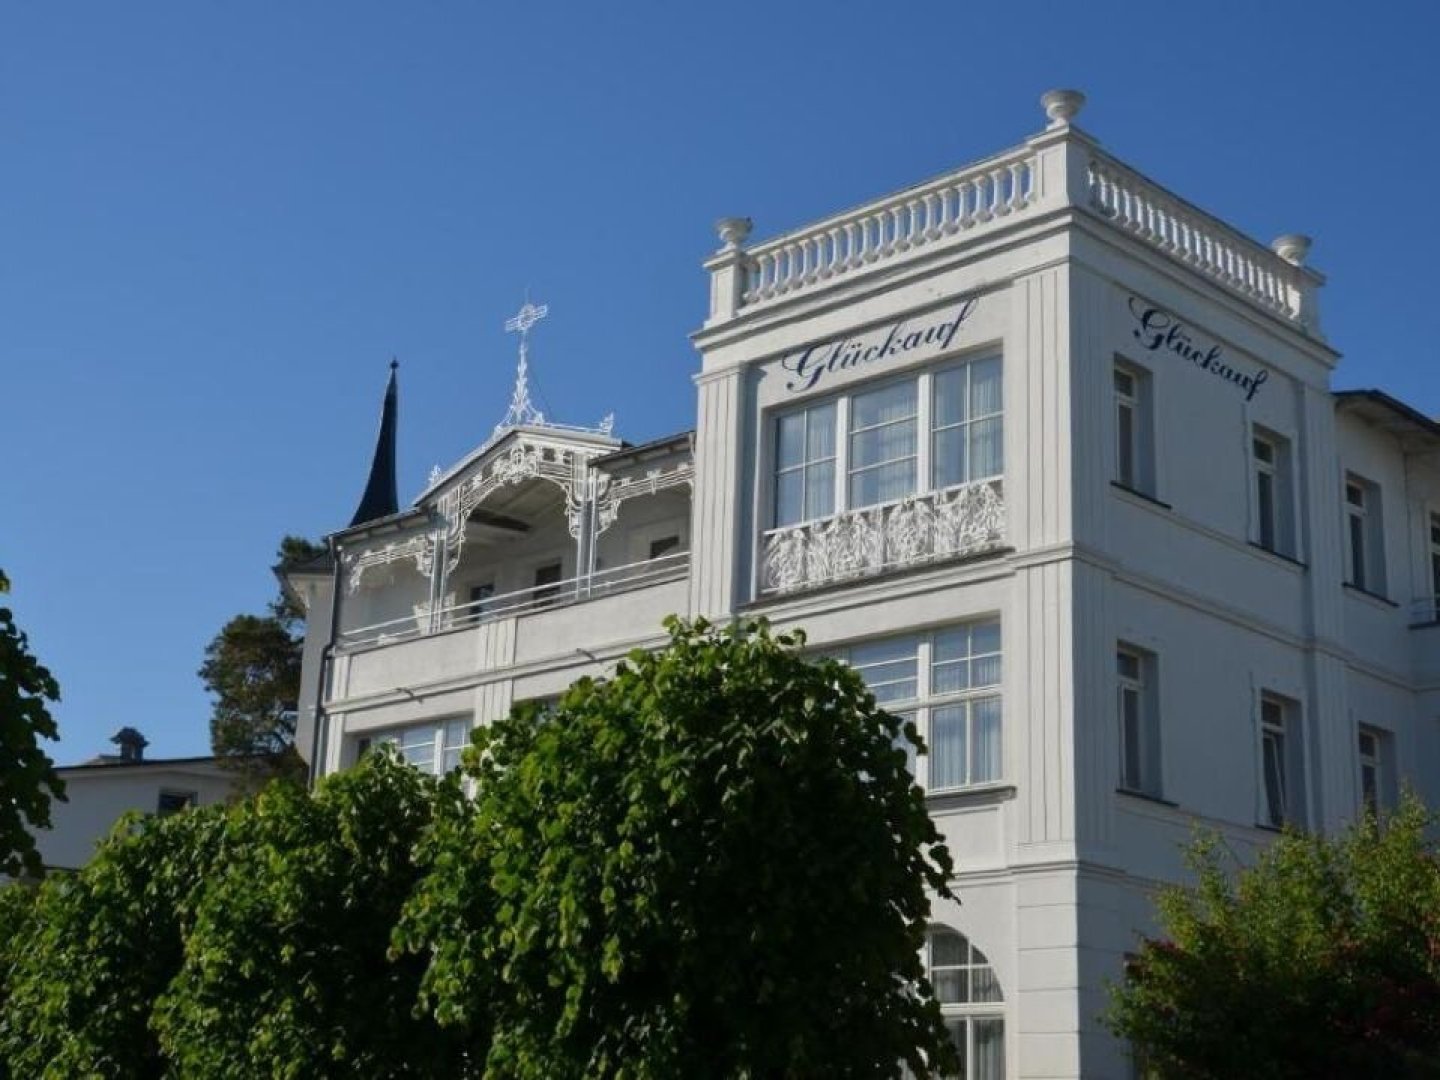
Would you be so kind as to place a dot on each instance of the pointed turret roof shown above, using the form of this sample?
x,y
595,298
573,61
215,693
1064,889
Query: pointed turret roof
x,y
380,498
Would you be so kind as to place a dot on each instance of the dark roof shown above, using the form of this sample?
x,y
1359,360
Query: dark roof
x,y
1390,414
115,761
381,499
647,449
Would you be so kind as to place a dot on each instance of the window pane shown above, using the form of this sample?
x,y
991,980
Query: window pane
x,y
985,387
947,746
874,445
883,483
951,677
985,637
820,432
889,403
790,440
948,397
1274,753
1128,665
948,456
948,949
1265,497
820,490
989,1063
985,671
985,753
987,451
984,986
1131,760
1125,444
889,668
789,498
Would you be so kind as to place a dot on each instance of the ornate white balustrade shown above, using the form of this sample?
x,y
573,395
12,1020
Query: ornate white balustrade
x,y
912,219
963,520
1198,240
1057,170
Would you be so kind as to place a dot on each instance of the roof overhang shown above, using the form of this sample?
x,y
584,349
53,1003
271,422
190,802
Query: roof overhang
x,y
1416,432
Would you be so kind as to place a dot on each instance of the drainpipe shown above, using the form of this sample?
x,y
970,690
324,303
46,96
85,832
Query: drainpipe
x,y
326,655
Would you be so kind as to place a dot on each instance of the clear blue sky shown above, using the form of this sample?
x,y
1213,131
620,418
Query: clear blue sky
x,y
218,222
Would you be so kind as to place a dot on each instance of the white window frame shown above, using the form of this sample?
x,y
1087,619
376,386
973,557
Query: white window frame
x,y
1271,465
922,707
925,431
1364,520
1140,692
447,737
969,1011
1280,725
802,467
1134,402
1373,751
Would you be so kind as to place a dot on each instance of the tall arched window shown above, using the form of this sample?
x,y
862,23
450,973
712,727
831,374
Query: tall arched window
x,y
970,998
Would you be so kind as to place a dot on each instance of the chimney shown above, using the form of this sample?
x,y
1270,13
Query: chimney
x,y
132,745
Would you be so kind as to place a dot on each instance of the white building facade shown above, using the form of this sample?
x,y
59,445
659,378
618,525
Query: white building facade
x,y
1053,457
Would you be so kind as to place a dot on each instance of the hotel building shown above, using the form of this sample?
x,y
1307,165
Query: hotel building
x,y
1047,452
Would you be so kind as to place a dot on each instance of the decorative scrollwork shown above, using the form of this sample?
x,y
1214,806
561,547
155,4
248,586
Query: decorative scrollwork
x,y
917,529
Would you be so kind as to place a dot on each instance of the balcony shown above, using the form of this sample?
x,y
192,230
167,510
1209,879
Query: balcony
x,y
425,622
968,519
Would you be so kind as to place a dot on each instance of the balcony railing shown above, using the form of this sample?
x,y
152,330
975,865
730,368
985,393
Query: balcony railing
x,y
574,590
918,217
964,520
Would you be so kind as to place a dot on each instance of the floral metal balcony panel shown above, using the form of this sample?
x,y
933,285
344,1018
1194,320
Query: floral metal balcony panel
x,y
918,529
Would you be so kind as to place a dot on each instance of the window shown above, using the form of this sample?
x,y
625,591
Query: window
x,y
805,464
432,747
967,440
172,802
546,588
480,596
1134,459
1138,713
1281,769
1374,748
666,545
1435,567
1364,537
970,1001
930,431
1271,495
948,684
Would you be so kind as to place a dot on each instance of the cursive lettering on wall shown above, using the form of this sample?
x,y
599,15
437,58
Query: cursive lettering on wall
x,y
1159,330
808,366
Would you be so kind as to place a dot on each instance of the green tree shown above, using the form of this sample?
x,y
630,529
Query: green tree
x,y
100,946
27,775
286,971
252,668
1321,959
713,864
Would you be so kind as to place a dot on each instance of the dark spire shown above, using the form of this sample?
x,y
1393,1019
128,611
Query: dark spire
x,y
380,499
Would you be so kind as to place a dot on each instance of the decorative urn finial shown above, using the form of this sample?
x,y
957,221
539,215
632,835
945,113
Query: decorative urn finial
x,y
1062,106
1292,247
733,231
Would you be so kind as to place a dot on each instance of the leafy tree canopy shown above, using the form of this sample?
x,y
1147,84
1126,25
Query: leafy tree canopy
x,y
1321,959
286,971
100,946
27,775
712,864
252,668
244,941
